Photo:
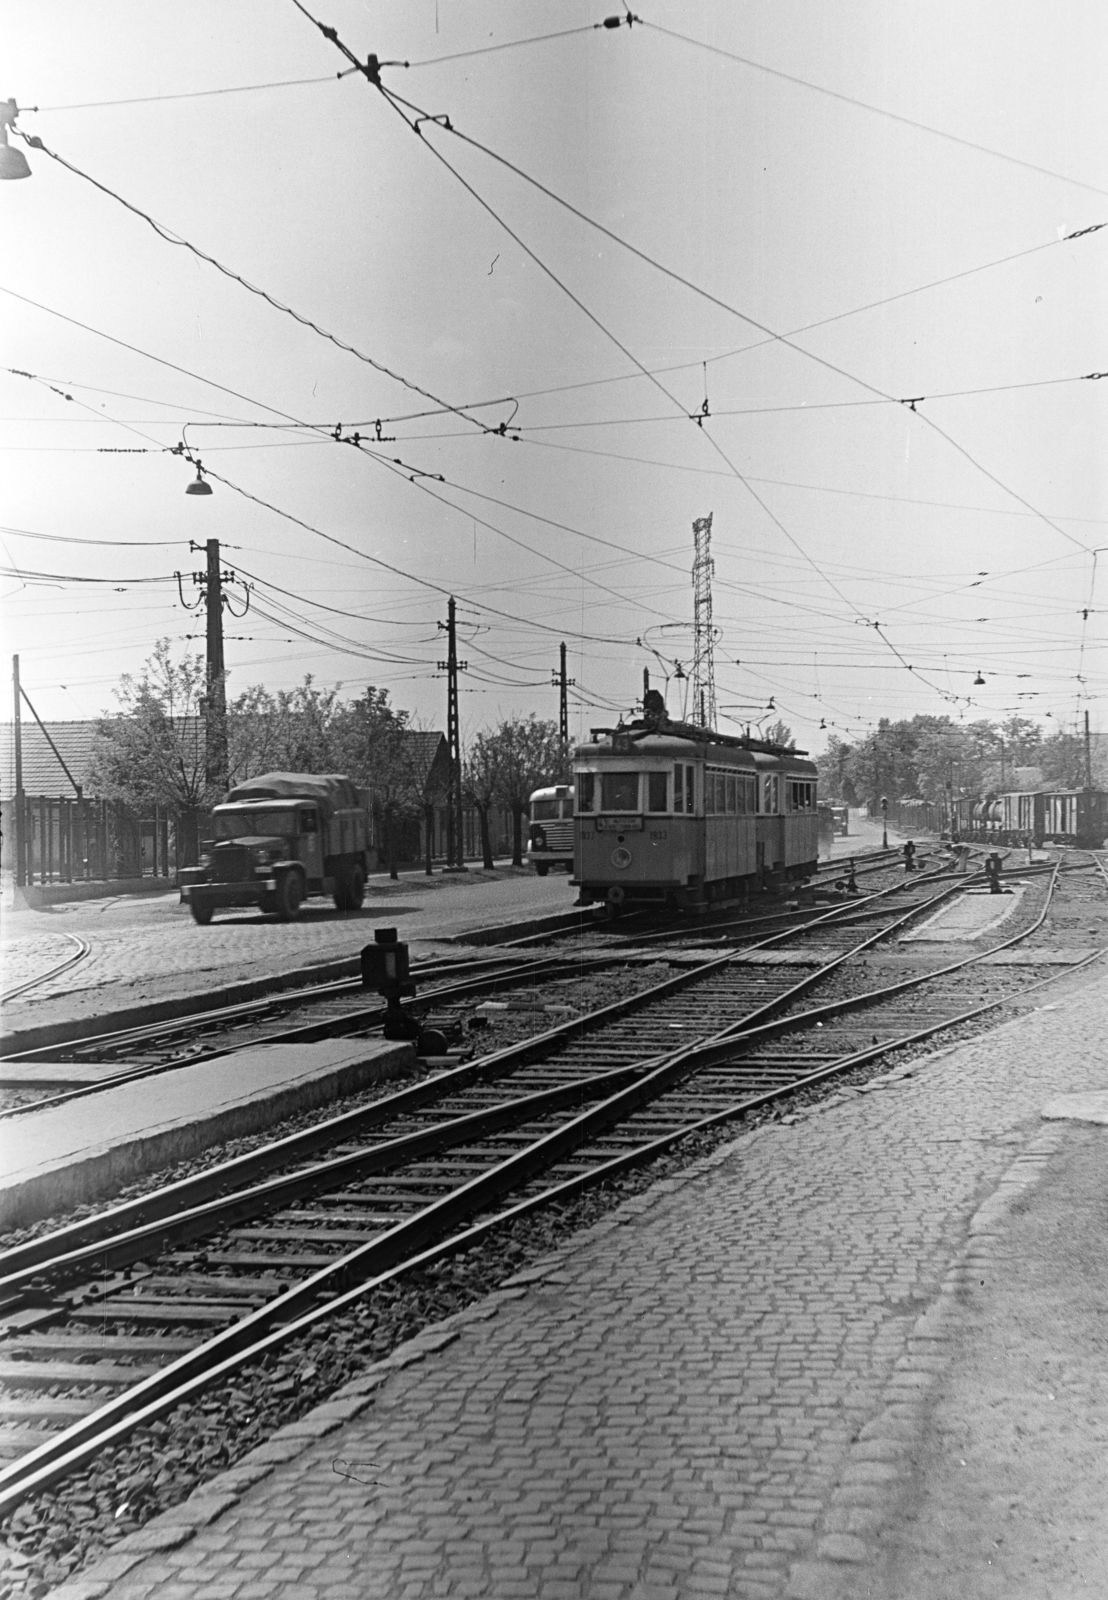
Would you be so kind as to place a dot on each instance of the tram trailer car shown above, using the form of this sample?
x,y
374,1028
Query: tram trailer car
x,y
687,818
550,841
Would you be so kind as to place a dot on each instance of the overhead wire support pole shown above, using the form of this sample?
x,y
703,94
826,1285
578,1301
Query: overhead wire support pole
x,y
215,674
20,824
563,686
455,841
704,668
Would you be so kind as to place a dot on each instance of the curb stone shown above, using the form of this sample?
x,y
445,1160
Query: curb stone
x,y
878,1464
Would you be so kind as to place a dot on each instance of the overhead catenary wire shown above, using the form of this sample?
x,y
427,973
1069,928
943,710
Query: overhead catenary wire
x,y
864,105
446,126
176,239
193,94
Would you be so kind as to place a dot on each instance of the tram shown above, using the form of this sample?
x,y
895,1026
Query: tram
x,y
670,814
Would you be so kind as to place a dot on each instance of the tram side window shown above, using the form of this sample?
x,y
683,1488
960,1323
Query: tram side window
x,y
800,796
769,795
619,791
584,791
657,787
690,793
679,787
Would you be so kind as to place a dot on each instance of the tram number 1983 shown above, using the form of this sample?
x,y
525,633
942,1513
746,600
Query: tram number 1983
x,y
657,835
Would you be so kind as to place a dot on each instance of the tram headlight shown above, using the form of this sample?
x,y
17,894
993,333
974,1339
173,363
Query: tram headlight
x,y
621,858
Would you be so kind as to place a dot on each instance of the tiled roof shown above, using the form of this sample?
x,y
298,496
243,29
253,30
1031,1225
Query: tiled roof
x,y
424,750
42,772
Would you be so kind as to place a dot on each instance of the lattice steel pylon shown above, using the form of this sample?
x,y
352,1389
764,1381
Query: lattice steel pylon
x,y
703,666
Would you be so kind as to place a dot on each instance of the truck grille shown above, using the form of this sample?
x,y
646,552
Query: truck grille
x,y
230,865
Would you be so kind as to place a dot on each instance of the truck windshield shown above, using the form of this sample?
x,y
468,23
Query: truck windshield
x,y
243,824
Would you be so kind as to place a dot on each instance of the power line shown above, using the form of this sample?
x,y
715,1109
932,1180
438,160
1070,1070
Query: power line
x,y
35,143
444,122
193,94
879,111
64,538
728,355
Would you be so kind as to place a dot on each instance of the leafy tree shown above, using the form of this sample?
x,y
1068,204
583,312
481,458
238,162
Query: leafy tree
x,y
780,733
481,785
1062,759
526,754
369,743
294,730
152,751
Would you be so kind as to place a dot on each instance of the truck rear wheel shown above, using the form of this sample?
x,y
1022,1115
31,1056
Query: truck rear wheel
x,y
201,913
290,894
350,890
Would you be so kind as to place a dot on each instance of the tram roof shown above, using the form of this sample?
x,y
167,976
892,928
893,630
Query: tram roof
x,y
756,756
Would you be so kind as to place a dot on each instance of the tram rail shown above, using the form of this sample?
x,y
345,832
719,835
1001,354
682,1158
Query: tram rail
x,y
372,1211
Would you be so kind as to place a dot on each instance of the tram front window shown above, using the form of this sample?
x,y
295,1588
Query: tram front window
x,y
619,791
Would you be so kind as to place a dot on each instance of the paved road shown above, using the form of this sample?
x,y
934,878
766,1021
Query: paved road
x,y
715,1392
148,947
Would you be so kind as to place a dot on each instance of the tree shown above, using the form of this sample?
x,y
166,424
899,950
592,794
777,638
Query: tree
x,y
526,754
481,785
780,733
294,730
369,744
152,751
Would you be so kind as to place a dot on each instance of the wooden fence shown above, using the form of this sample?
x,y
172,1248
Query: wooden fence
x,y
65,840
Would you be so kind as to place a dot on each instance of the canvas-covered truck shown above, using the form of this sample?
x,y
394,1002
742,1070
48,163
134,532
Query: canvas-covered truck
x,y
279,838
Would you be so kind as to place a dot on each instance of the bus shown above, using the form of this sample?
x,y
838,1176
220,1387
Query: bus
x,y
550,842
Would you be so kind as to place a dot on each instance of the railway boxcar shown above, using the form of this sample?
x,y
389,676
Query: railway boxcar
x,y
670,814
1076,816
550,842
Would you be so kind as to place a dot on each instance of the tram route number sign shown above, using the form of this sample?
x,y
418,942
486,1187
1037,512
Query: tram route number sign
x,y
619,824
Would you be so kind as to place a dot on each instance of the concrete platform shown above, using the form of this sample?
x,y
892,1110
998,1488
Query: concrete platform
x,y
970,916
726,1387
59,1157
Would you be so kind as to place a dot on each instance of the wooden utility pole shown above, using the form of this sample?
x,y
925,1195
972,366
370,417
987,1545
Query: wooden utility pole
x,y
215,728
455,841
1088,755
563,686
20,851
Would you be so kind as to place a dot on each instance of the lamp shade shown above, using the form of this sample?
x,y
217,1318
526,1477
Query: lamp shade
x,y
199,487
13,163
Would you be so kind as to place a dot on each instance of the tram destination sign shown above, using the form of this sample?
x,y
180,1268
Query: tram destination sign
x,y
619,824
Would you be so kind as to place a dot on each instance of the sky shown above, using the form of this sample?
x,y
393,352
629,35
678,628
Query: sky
x,y
843,232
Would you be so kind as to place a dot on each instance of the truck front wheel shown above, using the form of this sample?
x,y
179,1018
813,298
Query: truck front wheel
x,y
290,894
201,912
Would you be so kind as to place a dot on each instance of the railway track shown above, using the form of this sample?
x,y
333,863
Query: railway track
x,y
83,949
339,1008
111,1323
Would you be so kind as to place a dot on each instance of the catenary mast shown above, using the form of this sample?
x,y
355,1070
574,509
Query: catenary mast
x,y
703,667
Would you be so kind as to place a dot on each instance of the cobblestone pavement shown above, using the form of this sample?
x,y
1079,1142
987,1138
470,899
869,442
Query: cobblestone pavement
x,y
709,1393
149,947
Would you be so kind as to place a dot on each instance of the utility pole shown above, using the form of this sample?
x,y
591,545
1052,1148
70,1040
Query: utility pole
x,y
455,843
1088,755
563,685
216,725
20,851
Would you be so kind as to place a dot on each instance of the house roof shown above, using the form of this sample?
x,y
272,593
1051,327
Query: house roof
x,y
43,773
427,752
